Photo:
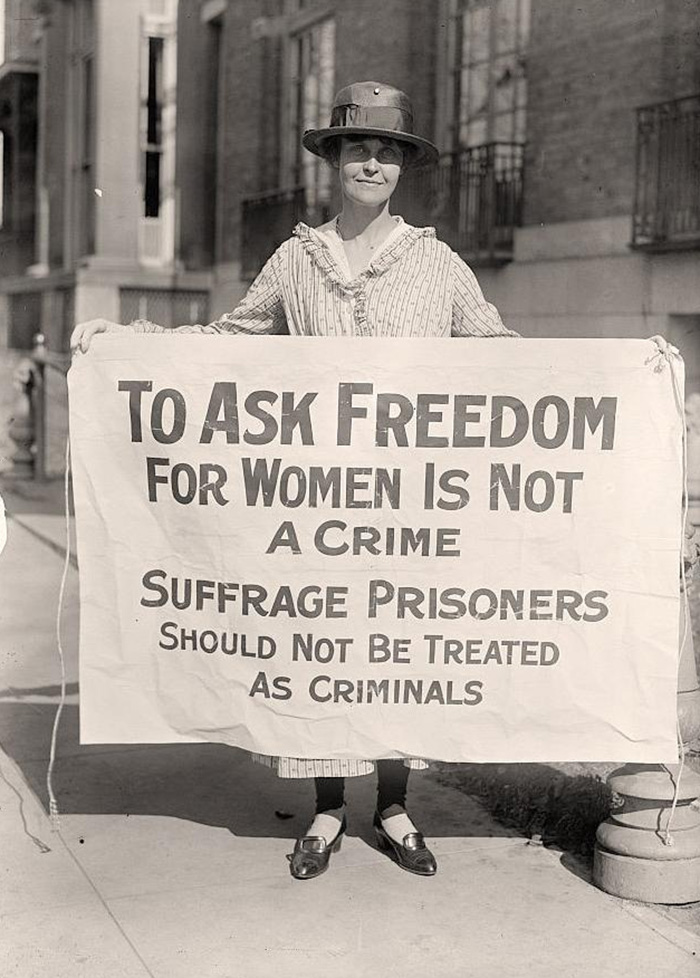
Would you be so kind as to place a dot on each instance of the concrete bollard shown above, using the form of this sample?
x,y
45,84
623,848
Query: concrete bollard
x,y
632,859
27,428
644,851
22,426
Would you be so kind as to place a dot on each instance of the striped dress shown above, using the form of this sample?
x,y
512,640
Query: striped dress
x,y
414,285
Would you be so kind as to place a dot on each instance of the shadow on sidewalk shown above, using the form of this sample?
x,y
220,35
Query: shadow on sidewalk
x,y
210,784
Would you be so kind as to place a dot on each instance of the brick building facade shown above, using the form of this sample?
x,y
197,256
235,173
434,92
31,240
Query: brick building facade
x,y
553,85
580,215
575,268
589,67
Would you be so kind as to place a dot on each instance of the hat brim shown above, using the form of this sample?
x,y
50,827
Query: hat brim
x,y
425,152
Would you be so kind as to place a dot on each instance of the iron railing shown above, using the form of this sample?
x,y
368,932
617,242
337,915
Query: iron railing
x,y
473,198
667,185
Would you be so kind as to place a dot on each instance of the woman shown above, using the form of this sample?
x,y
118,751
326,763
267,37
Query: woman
x,y
366,273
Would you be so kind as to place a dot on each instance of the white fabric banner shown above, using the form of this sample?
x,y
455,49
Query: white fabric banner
x,y
351,548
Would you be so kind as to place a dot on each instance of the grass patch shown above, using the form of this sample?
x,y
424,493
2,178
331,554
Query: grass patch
x,y
540,802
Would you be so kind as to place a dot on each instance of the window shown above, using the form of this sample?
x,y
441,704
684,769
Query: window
x,y
157,127
213,150
153,148
477,191
83,127
87,162
311,72
486,58
2,179
666,200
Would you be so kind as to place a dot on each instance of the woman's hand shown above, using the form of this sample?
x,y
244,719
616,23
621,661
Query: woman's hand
x,y
663,346
664,352
83,333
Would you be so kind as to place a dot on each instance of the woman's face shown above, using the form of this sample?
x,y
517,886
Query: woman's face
x,y
369,169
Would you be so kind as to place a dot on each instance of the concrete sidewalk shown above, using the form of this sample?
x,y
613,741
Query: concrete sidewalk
x,y
170,860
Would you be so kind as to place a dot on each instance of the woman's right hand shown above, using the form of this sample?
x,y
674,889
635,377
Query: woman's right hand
x,y
82,335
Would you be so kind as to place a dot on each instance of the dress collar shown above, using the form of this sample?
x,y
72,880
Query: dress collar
x,y
316,244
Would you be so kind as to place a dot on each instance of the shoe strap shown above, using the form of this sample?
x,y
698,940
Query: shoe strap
x,y
312,843
414,840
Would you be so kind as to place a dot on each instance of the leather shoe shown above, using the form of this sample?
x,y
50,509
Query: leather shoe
x,y
413,855
312,854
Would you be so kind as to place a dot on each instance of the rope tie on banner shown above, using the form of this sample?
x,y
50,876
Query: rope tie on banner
x,y
54,813
668,356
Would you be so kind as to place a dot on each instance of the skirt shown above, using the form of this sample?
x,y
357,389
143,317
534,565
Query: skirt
x,y
297,767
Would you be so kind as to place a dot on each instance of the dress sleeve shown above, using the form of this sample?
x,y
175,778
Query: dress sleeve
x,y
472,315
260,311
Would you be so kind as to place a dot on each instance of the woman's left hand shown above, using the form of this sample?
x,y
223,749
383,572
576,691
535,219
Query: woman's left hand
x,y
663,354
664,347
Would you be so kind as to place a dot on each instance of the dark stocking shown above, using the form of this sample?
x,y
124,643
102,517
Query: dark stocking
x,y
392,781
330,796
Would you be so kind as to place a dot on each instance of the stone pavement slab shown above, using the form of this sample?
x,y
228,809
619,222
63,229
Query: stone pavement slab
x,y
168,855
50,530
65,942
37,871
30,577
52,920
504,912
